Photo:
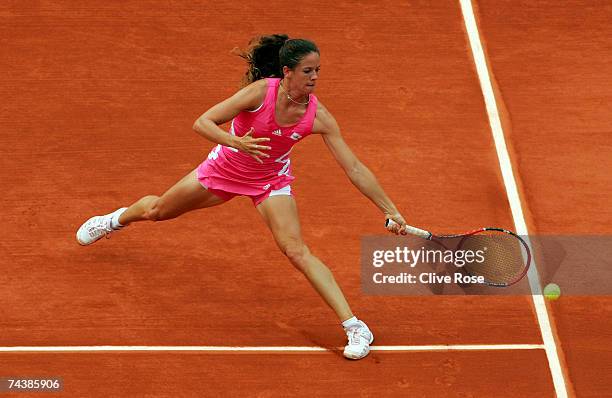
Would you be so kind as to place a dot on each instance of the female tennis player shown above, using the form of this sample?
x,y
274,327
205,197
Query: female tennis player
x,y
275,110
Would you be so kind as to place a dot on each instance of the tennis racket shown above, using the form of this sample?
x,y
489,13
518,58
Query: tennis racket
x,y
507,257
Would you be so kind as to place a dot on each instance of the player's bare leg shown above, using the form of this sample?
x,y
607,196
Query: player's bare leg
x,y
281,216
186,195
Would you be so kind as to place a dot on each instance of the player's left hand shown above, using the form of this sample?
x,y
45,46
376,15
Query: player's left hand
x,y
399,227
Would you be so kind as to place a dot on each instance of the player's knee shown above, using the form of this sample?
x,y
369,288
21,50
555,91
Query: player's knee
x,y
297,252
154,208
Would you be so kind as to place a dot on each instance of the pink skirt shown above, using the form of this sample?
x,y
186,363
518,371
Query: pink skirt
x,y
222,178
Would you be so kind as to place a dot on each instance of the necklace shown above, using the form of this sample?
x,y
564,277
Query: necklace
x,y
291,99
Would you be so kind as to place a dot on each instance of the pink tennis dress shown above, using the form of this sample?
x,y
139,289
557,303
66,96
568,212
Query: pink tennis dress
x,y
228,173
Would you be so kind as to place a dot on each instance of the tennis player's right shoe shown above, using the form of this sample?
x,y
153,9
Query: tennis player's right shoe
x,y
96,228
359,339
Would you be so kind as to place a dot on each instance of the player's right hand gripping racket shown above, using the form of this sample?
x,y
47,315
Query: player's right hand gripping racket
x,y
507,256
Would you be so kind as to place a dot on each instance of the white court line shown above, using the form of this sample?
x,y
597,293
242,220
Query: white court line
x,y
513,197
132,348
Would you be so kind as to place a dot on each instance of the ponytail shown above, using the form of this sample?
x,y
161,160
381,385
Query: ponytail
x,y
266,56
262,57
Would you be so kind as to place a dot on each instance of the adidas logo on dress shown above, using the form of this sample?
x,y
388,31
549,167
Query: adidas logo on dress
x,y
277,132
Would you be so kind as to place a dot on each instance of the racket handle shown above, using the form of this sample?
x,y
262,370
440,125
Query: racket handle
x,y
411,230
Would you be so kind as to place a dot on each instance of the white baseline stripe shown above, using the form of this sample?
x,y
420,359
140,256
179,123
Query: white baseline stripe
x,y
512,193
111,348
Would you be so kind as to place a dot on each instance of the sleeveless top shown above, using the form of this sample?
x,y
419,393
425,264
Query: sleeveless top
x,y
230,170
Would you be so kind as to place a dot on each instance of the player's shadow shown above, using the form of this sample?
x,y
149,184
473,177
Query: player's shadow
x,y
321,341
318,337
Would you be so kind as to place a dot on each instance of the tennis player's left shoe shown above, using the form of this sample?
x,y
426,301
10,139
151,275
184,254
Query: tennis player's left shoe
x,y
359,339
96,228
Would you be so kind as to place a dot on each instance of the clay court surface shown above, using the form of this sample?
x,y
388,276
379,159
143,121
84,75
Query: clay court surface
x,y
98,100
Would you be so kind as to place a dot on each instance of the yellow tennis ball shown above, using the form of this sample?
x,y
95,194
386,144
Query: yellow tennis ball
x,y
552,291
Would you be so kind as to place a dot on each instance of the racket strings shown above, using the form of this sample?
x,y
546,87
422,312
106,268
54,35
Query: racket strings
x,y
503,254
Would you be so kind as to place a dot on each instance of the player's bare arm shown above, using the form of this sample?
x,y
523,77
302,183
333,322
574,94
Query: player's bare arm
x,y
326,125
248,98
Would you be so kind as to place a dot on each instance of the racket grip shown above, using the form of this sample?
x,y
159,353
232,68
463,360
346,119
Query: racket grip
x,y
411,230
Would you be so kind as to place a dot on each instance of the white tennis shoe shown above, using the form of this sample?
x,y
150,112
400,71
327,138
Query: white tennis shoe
x,y
96,227
359,339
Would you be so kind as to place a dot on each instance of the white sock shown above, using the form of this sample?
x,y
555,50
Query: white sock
x,y
350,322
115,218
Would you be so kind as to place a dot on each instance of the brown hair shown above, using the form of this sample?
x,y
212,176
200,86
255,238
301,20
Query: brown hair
x,y
266,55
